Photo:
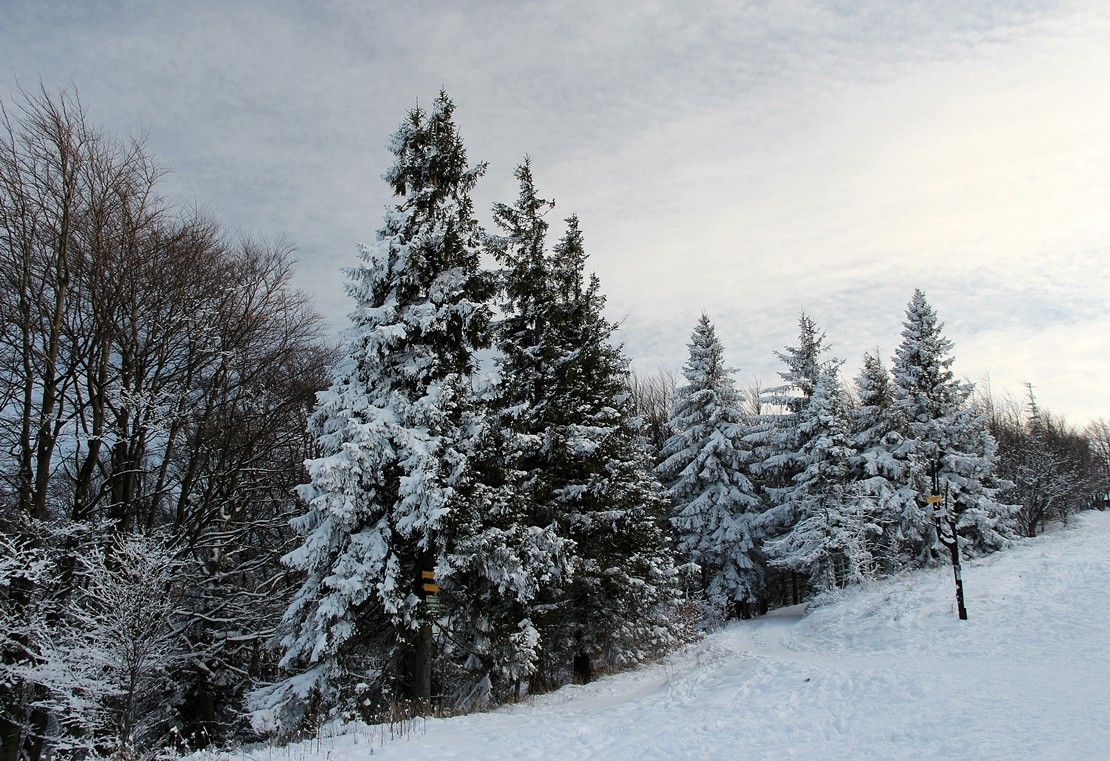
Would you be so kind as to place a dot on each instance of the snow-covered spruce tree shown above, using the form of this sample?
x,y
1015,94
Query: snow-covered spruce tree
x,y
515,563
880,476
619,607
396,431
776,432
946,447
705,468
803,368
531,339
778,442
827,540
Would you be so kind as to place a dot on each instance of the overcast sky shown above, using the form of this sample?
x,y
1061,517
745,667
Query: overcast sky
x,y
746,159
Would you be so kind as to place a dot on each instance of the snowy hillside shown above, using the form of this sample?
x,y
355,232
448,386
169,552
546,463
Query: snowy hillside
x,y
887,673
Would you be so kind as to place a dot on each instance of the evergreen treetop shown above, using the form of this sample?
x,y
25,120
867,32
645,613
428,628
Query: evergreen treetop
x,y
803,367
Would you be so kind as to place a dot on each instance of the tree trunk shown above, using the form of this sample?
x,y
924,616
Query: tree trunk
x,y
583,669
422,669
9,731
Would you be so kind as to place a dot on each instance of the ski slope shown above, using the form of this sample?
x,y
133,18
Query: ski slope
x,y
888,672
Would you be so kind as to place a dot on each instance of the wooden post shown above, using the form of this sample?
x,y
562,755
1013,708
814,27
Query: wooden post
x,y
423,647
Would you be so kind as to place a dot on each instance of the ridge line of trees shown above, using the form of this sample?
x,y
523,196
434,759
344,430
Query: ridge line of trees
x,y
816,484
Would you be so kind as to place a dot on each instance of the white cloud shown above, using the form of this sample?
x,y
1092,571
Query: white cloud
x,y
748,159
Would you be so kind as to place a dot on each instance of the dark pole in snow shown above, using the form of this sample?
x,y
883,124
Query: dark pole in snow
x,y
940,510
955,550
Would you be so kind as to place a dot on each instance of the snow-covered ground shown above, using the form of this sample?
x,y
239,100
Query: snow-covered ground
x,y
889,672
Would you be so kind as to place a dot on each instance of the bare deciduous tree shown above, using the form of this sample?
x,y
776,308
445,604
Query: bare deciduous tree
x,y
651,402
155,379
1051,468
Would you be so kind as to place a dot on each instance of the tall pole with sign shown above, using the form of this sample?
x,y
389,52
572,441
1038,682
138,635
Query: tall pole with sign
x,y
425,643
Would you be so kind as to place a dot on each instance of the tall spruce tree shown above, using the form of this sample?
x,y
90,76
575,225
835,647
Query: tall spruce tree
x,y
619,606
778,434
520,584
827,539
396,431
880,475
705,467
528,337
946,447
778,440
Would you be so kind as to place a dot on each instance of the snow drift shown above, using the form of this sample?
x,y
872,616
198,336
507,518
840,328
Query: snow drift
x,y
887,672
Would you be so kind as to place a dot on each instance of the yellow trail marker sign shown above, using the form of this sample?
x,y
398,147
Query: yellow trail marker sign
x,y
933,499
428,574
431,588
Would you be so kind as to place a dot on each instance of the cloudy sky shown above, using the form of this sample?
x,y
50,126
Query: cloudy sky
x,y
748,159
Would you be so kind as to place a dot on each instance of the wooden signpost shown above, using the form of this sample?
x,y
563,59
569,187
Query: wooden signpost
x,y
431,592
